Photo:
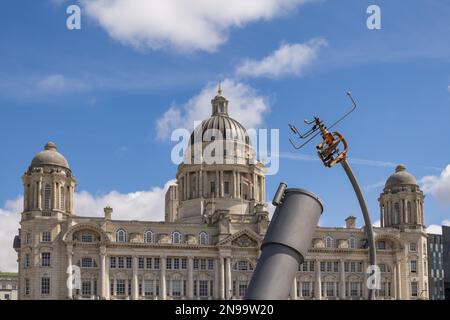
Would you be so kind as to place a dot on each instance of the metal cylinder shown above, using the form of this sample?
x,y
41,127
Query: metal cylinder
x,y
285,245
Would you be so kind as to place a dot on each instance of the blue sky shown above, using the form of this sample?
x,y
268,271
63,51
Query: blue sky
x,y
99,93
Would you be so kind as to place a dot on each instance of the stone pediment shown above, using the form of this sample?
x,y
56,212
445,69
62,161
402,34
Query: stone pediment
x,y
244,238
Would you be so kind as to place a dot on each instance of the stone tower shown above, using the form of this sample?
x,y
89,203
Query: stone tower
x,y
401,202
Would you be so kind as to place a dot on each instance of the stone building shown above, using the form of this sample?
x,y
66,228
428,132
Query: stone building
x,y
8,286
207,247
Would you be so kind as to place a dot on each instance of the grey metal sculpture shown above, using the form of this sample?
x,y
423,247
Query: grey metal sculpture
x,y
286,243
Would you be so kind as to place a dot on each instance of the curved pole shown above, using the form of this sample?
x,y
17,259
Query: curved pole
x,y
367,222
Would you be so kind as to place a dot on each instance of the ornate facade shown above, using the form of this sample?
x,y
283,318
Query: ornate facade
x,y
207,247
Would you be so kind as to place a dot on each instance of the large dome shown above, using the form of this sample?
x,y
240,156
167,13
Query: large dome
x,y
49,156
220,126
401,177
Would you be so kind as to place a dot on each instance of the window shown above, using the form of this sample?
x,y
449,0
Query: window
x,y
86,287
112,262
121,236
414,289
176,263
27,287
382,245
226,187
412,246
202,264
87,237
46,236
330,289
129,262
169,263
176,288
329,242
203,238
148,263
156,263
306,289
195,264
87,262
243,265
184,263
176,237
212,187
355,289
385,290
141,263
352,243
28,238
47,196
148,237
149,286
45,259
210,264
120,287
27,261
203,288
45,285
121,262
413,266
62,198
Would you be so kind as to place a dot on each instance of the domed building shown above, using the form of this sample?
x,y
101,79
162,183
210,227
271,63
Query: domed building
x,y
207,248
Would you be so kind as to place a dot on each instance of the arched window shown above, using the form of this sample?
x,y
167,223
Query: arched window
x,y
329,242
176,237
62,198
121,236
352,243
382,245
397,212
47,196
203,238
148,236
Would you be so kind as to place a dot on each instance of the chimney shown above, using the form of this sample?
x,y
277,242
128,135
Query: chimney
x,y
108,211
350,222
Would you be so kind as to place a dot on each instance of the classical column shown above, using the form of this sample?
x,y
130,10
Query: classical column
x,y
162,285
134,280
200,184
222,193
188,185
342,279
365,288
217,184
190,278
399,280
294,289
234,184
102,277
318,289
70,271
107,284
229,294
216,279
55,201
39,193
222,279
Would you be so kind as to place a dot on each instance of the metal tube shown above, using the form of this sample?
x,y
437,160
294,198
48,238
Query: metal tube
x,y
367,222
285,245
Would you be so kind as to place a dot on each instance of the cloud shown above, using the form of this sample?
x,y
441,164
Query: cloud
x,y
58,83
9,225
438,186
437,229
141,205
245,105
180,24
289,59
376,224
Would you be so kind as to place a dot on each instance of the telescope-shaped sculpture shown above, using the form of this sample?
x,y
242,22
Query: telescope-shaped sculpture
x,y
286,243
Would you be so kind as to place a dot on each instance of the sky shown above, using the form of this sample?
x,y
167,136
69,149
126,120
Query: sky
x,y
111,93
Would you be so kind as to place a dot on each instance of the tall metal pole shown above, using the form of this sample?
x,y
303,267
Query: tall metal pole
x,y
367,222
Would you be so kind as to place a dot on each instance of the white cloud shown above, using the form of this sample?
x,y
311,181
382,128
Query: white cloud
x,y
55,83
184,25
438,186
140,205
9,225
377,223
437,229
289,59
245,105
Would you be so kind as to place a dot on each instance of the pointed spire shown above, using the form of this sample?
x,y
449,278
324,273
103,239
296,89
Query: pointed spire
x,y
219,90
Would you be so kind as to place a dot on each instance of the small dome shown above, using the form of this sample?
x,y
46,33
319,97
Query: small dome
x,y
49,157
400,177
